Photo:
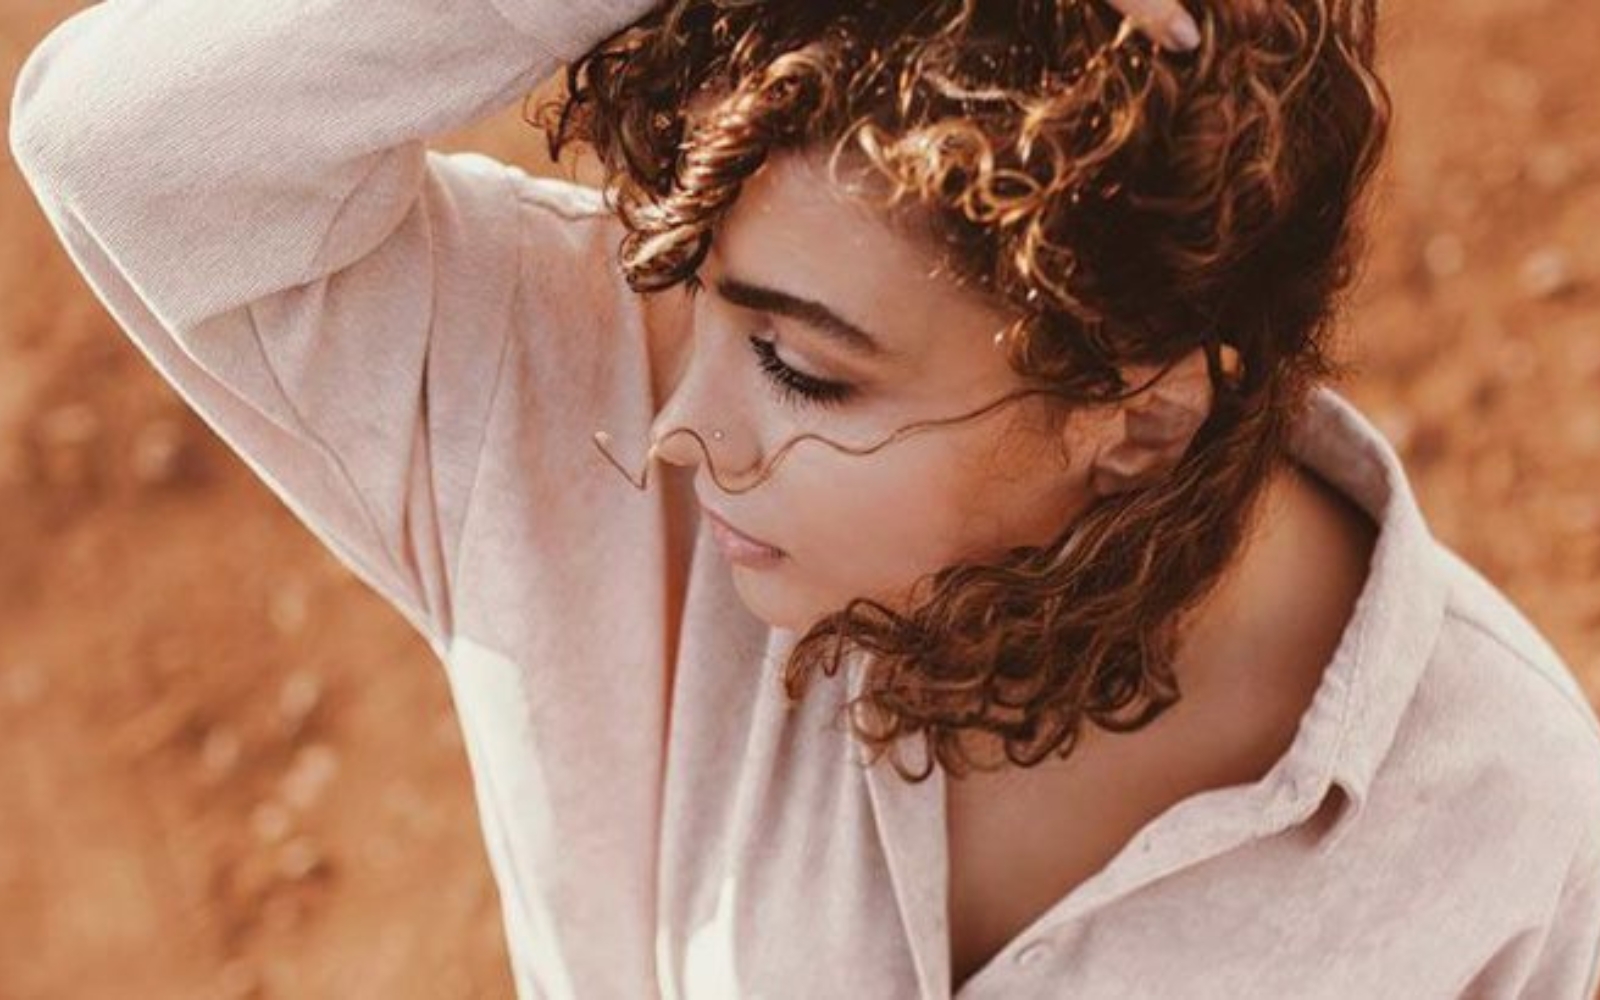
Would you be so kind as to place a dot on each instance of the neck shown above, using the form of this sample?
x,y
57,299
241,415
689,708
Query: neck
x,y
1285,599
1252,653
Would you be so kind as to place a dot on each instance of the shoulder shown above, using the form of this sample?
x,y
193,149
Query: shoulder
x,y
1484,628
577,217
564,217
573,303
561,234
557,198
1517,719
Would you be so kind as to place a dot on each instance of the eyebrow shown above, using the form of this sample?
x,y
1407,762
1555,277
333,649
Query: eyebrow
x,y
814,314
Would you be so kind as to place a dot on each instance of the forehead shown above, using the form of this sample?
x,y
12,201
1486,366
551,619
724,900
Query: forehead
x,y
792,204
792,227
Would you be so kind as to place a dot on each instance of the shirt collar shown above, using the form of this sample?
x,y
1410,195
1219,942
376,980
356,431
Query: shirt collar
x,y
1343,735
1353,716
1356,710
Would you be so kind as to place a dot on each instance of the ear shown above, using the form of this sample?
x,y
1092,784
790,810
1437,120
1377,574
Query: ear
x,y
1149,433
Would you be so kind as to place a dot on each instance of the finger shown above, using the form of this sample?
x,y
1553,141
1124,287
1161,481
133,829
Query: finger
x,y
1164,21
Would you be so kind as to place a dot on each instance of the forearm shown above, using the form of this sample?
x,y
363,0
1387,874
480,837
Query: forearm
x,y
221,152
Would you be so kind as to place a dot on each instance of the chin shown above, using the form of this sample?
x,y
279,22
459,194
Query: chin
x,y
773,600
776,601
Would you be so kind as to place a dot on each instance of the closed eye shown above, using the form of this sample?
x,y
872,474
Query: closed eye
x,y
791,386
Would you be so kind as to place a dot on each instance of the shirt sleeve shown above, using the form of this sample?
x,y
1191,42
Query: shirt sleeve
x,y
246,188
1567,963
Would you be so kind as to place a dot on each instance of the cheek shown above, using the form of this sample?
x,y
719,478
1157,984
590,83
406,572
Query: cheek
x,y
873,529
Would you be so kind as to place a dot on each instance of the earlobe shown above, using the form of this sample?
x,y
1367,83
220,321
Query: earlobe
x,y
1154,428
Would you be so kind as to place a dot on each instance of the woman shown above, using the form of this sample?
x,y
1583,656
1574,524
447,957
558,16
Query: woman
x,y
1004,330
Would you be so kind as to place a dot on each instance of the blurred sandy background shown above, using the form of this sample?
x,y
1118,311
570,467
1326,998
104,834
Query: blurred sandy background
x,y
227,769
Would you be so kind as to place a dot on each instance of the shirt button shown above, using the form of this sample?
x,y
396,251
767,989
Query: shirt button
x,y
1033,952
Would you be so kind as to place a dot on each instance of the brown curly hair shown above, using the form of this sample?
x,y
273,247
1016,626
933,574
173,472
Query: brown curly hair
x,y
1131,204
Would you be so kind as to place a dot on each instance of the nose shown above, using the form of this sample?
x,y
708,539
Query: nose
x,y
696,408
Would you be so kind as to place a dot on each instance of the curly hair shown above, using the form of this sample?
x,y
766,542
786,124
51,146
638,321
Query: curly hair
x,y
1131,205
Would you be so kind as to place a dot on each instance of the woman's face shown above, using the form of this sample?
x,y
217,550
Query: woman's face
x,y
923,348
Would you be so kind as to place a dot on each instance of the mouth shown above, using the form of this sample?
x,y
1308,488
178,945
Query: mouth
x,y
734,535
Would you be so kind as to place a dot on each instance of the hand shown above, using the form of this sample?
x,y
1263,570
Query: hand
x,y
1165,22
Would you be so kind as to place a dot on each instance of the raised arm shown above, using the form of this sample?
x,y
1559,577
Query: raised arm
x,y
245,187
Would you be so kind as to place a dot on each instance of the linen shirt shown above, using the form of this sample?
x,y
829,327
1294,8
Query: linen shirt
x,y
413,350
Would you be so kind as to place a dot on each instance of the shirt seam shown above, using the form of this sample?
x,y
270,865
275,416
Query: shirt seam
x,y
336,461
1581,709
468,502
537,39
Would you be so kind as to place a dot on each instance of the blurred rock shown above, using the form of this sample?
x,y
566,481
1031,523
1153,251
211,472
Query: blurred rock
x,y
288,607
299,859
67,426
65,437
1510,361
270,821
314,767
299,698
161,723
1545,273
158,452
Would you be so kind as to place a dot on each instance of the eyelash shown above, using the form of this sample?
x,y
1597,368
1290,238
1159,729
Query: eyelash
x,y
790,386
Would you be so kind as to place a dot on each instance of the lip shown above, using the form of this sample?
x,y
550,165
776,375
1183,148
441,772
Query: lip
x,y
738,544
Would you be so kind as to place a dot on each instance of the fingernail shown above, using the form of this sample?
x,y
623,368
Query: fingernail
x,y
1182,30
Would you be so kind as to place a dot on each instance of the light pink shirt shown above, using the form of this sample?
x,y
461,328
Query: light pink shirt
x,y
413,350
